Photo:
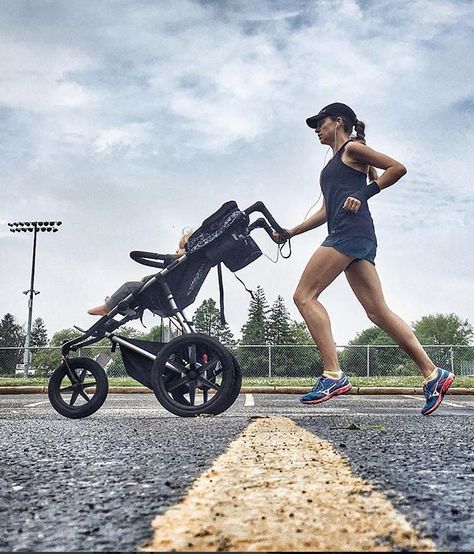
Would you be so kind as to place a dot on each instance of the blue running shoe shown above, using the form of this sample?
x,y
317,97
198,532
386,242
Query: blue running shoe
x,y
435,390
325,388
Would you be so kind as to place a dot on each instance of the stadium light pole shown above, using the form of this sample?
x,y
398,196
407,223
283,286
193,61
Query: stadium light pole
x,y
34,227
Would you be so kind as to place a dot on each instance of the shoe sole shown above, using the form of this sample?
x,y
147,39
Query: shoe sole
x,y
447,383
337,392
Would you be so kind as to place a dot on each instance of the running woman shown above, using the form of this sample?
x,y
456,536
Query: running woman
x,y
351,247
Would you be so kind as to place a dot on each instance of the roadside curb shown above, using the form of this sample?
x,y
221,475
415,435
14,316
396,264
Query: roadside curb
x,y
257,390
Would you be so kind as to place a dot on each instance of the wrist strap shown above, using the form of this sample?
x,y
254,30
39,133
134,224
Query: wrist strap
x,y
371,190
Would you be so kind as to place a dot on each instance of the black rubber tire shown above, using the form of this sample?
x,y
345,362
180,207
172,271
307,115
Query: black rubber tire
x,y
237,385
177,404
77,366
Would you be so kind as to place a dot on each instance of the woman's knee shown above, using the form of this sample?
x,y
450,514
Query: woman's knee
x,y
302,298
378,314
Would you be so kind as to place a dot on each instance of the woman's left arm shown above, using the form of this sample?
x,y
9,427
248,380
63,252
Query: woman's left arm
x,y
364,155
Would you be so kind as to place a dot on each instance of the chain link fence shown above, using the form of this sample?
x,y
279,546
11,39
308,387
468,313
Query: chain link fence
x,y
296,360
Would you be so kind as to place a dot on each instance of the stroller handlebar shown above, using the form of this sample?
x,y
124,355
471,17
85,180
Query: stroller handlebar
x,y
263,223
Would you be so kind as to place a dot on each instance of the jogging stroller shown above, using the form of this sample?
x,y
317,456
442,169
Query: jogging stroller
x,y
193,373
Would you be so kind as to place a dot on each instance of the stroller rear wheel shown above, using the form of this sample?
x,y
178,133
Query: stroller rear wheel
x,y
193,374
79,388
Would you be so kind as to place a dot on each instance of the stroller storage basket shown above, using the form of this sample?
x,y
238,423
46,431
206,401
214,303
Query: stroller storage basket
x,y
136,365
238,251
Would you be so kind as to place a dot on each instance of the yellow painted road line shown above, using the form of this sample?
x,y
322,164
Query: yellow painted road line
x,y
280,488
249,400
445,402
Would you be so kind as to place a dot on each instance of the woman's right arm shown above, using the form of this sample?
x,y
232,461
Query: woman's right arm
x,y
319,218
316,220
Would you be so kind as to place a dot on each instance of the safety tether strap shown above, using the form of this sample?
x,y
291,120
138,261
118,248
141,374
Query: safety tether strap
x,y
280,247
245,287
221,293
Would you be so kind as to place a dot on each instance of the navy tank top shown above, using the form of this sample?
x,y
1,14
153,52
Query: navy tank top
x,y
338,181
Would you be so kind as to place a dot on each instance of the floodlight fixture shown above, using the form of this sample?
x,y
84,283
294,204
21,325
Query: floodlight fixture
x,y
32,227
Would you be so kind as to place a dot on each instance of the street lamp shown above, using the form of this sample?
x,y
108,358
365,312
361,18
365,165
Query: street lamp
x,y
32,227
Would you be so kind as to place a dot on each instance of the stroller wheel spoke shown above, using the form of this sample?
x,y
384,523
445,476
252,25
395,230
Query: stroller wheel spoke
x,y
208,384
204,395
192,392
88,385
82,375
74,396
177,384
84,395
67,389
210,366
192,355
177,367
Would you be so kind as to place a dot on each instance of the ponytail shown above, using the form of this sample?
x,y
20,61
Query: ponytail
x,y
359,129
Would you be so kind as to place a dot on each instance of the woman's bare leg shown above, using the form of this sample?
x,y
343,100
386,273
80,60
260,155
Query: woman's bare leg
x,y
323,267
365,283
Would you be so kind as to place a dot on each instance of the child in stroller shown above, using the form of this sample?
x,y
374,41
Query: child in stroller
x,y
133,286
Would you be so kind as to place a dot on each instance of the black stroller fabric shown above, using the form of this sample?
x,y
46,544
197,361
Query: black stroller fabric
x,y
137,365
184,281
222,237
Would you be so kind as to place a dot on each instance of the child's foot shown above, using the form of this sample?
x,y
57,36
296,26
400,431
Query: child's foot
x,y
325,388
435,390
99,310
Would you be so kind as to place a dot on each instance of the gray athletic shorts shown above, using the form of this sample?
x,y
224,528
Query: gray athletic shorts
x,y
360,248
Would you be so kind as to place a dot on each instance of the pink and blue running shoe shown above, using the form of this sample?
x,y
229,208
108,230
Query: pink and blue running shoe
x,y
435,390
325,388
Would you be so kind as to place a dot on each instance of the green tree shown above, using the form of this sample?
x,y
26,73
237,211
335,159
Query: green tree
x,y
300,333
443,329
254,361
279,334
279,324
11,332
383,361
255,330
305,360
47,360
39,334
12,335
62,336
155,334
207,319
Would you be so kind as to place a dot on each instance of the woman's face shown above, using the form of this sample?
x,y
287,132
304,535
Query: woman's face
x,y
325,130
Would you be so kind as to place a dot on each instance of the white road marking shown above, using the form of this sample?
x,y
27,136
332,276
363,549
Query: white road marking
x,y
37,404
445,402
249,400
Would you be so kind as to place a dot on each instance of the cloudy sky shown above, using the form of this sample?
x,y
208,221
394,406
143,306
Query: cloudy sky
x,y
130,119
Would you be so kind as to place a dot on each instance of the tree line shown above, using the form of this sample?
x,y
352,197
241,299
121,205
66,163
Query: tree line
x,y
266,325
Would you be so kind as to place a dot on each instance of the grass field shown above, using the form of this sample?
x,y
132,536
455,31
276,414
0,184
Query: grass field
x,y
411,381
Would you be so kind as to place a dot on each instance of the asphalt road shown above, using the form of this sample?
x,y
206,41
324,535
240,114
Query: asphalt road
x,y
95,484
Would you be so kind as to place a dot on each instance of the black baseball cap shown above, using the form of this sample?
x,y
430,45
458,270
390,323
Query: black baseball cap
x,y
336,109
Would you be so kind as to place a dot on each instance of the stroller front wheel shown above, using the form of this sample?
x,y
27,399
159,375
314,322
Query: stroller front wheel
x,y
79,388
